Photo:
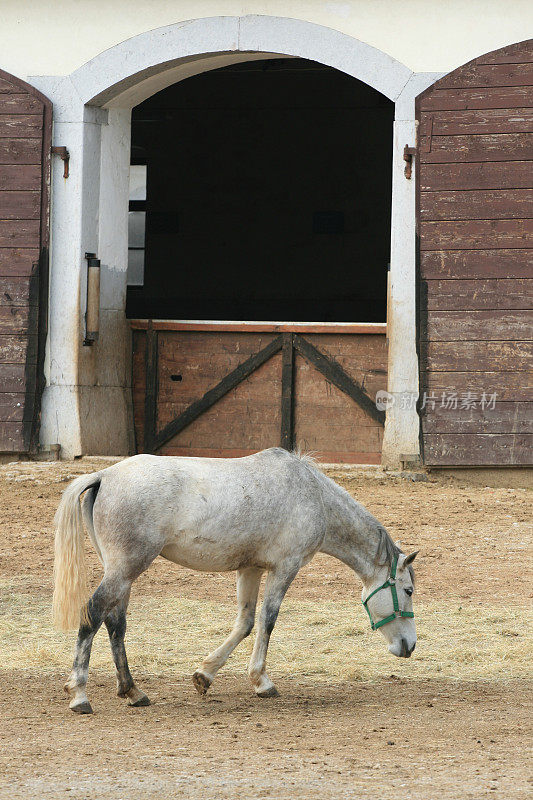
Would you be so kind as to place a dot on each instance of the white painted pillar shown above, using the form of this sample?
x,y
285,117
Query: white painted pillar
x,y
402,424
86,404
105,368
74,215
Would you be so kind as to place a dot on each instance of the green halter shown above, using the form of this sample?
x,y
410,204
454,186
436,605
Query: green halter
x,y
390,582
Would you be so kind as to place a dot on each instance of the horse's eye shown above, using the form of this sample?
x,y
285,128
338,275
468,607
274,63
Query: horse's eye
x,y
409,591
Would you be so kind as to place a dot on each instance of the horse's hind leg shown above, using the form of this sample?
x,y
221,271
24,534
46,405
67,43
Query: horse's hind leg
x,y
248,581
116,627
112,590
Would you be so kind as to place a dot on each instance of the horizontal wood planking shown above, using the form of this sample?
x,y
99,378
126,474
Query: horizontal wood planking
x,y
20,177
477,356
520,52
13,377
202,360
505,417
509,386
20,205
359,356
205,452
250,410
14,319
323,456
480,147
482,98
480,175
20,151
491,120
22,139
244,395
18,349
245,430
480,294
475,234
18,261
456,326
262,327
18,291
9,87
317,400
19,233
14,436
250,413
21,104
21,126
338,428
12,406
491,204
478,449
479,75
468,264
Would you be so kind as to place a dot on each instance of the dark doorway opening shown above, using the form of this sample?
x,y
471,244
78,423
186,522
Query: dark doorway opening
x,y
268,197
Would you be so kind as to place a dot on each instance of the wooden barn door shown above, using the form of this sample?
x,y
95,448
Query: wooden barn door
x,y
25,132
230,389
475,206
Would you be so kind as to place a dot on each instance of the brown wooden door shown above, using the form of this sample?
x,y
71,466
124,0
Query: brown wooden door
x,y
475,225
230,390
25,131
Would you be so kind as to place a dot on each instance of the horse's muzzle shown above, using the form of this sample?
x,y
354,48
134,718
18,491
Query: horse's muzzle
x,y
406,651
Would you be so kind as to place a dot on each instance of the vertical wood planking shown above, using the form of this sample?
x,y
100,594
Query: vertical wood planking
x,y
150,398
287,392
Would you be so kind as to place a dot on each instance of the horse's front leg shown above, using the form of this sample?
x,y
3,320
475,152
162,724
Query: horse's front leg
x,y
248,581
277,583
116,627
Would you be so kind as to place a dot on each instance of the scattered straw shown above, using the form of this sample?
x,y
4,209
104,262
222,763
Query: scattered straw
x,y
318,641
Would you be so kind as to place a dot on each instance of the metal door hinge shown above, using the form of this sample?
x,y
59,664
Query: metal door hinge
x,y
64,154
408,153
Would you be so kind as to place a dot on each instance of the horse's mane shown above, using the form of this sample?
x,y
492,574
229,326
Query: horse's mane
x,y
387,550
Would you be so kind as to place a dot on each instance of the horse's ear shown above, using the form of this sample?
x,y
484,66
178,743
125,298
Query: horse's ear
x,y
410,558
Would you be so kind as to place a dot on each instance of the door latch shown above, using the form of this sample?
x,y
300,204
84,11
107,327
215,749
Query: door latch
x,y
64,154
408,153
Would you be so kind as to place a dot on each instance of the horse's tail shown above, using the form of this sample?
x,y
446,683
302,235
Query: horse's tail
x,y
70,571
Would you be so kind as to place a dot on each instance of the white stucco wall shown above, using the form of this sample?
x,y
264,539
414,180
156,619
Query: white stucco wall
x,y
111,55
55,37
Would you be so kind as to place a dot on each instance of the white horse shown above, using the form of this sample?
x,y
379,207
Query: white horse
x,y
271,512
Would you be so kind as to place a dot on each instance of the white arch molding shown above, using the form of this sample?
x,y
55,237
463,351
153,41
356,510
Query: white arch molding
x,y
86,404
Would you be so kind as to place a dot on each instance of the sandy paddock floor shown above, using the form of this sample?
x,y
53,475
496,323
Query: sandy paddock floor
x,y
352,721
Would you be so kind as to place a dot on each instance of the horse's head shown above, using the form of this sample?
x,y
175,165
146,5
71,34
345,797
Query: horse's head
x,y
390,606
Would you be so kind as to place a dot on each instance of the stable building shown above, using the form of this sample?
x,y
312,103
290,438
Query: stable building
x,y
227,233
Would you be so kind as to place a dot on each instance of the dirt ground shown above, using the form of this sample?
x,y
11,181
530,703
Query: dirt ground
x,y
452,722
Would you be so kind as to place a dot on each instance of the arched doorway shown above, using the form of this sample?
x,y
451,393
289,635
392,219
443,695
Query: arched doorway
x,y
267,200
86,401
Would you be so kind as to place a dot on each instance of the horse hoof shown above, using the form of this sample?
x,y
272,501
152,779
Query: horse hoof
x,y
201,682
272,692
82,708
141,702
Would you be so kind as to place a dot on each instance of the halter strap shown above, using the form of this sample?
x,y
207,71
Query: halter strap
x,y
389,583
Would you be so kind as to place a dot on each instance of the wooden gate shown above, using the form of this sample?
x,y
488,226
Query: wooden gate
x,y
475,225
25,135
226,389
